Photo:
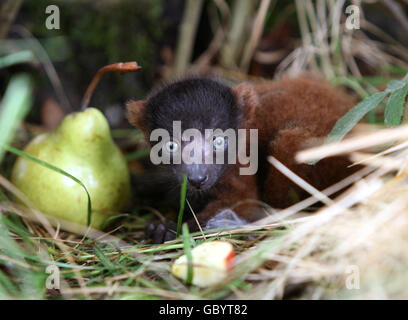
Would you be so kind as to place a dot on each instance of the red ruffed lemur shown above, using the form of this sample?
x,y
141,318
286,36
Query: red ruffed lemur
x,y
287,114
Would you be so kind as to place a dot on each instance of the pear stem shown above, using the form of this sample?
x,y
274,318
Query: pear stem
x,y
120,67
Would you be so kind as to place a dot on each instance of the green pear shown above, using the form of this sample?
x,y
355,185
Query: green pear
x,y
82,146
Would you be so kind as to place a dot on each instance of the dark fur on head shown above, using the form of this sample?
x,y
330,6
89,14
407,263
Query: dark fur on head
x,y
199,103
194,102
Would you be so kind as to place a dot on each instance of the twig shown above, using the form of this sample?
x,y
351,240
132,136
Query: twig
x,y
297,207
270,57
353,144
195,218
120,67
298,180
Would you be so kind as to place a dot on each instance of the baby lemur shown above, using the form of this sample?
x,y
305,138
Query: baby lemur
x,y
287,114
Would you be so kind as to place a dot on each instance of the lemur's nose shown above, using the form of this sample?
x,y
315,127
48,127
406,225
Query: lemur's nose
x,y
198,180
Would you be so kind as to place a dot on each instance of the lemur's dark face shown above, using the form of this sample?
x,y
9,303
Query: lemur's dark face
x,y
198,104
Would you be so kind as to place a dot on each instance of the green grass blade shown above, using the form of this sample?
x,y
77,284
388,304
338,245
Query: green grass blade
x,y
137,155
124,133
56,169
395,106
396,70
7,287
182,203
6,243
189,255
18,281
350,119
16,58
102,257
373,80
3,196
16,102
352,83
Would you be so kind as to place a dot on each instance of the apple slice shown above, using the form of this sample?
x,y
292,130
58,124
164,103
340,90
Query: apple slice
x,y
211,263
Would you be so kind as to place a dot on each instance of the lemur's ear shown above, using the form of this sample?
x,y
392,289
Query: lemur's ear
x,y
136,113
247,100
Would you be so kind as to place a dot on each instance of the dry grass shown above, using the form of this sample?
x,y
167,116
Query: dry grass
x,y
329,47
293,253
359,235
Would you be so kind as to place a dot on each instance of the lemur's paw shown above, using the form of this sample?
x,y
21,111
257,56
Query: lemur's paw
x,y
160,232
227,218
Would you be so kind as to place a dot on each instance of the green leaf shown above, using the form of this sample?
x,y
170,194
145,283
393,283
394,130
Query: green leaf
x,y
56,169
350,119
396,70
102,257
16,58
3,196
137,155
395,85
352,83
189,255
16,102
182,203
7,287
395,106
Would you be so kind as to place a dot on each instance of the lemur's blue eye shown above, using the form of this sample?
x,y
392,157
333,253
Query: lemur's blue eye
x,y
219,143
171,146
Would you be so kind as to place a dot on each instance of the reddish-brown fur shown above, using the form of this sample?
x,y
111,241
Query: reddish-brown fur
x,y
288,114
291,113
